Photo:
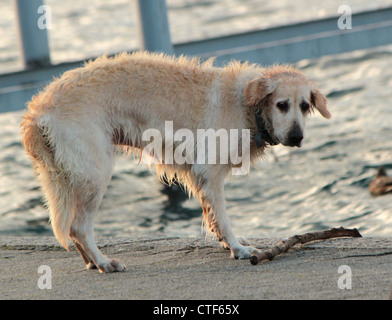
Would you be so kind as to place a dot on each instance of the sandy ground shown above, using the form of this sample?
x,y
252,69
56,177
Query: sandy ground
x,y
192,268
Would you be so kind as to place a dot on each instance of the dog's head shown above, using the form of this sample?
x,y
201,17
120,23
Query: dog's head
x,y
286,98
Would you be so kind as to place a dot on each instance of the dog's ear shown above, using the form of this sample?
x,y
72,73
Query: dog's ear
x,y
257,90
319,101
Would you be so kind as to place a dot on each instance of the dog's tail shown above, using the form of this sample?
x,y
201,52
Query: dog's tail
x,y
55,182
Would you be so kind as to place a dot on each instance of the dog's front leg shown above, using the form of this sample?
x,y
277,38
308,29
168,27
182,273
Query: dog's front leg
x,y
217,222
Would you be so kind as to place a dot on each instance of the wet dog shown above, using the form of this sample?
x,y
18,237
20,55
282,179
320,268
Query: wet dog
x,y
73,128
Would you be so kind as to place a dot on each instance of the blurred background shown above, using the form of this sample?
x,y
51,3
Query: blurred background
x,y
324,184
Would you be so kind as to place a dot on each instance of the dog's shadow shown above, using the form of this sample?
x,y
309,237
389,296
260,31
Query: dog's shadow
x,y
173,207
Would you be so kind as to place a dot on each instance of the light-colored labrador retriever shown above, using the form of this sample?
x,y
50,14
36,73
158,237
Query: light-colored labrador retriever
x,y
73,128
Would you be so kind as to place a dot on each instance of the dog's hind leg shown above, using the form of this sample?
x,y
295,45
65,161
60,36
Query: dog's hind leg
x,y
82,234
88,197
87,260
72,209
88,165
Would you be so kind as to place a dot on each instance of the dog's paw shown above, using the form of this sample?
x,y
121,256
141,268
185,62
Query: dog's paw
x,y
241,240
242,252
111,266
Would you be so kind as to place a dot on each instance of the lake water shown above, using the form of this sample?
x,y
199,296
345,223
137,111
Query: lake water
x,y
321,185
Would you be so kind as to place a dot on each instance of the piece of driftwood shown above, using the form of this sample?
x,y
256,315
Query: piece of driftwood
x,y
284,245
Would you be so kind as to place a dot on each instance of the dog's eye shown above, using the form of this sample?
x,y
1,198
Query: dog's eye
x,y
283,106
305,107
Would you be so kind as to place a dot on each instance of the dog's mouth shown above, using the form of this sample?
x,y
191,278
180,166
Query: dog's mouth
x,y
290,144
264,137
274,140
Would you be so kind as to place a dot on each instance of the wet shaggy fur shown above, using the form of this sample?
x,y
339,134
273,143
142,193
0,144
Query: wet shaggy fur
x,y
74,127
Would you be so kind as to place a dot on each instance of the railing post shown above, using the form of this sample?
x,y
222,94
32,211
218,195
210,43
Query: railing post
x,y
154,26
33,37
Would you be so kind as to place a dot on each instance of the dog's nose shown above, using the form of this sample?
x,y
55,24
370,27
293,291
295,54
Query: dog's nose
x,y
295,136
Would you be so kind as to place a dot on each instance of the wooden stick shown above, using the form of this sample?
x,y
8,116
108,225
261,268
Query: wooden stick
x,y
285,245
